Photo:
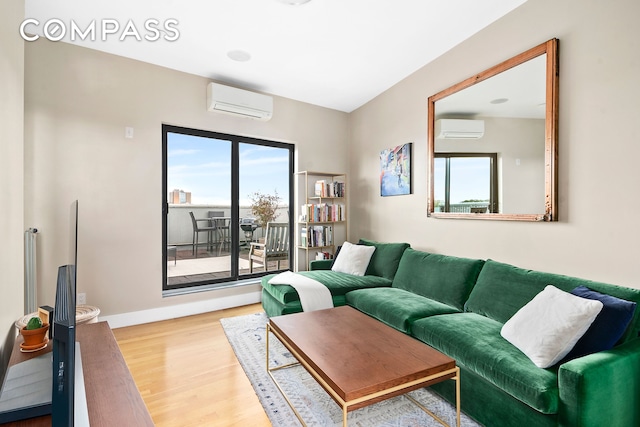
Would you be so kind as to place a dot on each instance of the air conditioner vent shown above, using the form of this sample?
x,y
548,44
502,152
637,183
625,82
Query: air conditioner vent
x,y
459,129
239,102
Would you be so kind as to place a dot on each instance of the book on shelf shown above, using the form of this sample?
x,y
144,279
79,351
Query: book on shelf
x,y
319,188
323,212
322,188
316,236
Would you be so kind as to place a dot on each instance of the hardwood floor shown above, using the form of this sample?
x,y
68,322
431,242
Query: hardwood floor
x,y
187,372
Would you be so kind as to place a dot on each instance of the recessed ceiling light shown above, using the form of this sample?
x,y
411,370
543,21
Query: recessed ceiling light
x,y
294,2
239,55
499,100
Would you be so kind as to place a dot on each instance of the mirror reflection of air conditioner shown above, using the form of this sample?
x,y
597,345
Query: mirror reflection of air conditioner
x,y
239,102
459,129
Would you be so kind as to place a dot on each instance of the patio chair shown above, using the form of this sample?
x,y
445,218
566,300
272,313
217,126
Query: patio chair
x,y
274,248
221,224
197,229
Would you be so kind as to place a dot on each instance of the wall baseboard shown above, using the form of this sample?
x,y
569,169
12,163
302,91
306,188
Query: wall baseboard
x,y
180,310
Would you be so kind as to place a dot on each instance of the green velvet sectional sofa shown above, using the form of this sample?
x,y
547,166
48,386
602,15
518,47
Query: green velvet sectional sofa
x,y
458,306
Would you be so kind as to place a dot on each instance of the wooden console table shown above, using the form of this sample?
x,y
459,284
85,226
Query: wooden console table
x,y
112,396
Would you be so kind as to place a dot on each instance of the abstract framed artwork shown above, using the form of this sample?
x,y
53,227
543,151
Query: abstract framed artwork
x,y
395,170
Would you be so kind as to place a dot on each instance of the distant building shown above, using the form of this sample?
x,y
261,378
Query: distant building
x,y
179,197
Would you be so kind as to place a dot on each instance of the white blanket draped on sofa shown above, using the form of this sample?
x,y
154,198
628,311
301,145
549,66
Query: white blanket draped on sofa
x,y
313,294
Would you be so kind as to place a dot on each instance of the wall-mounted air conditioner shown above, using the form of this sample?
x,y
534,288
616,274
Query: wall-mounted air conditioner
x,y
459,129
239,102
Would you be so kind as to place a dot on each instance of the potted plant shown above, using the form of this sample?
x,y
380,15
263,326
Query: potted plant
x,y
34,332
264,207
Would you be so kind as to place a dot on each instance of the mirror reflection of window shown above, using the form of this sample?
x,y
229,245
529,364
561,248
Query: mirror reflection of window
x,y
465,182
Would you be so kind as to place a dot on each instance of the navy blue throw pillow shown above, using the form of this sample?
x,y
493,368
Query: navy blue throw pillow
x,y
608,327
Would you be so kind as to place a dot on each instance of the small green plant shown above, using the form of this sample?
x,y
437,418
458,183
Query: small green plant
x,y
34,323
264,207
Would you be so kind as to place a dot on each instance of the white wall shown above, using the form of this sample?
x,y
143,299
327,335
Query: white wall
x,y
597,234
521,162
77,104
11,174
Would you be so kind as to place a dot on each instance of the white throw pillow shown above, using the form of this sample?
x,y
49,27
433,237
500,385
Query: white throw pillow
x,y
549,325
353,259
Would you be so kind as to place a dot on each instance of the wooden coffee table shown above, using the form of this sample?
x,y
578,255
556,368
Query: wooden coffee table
x,y
359,360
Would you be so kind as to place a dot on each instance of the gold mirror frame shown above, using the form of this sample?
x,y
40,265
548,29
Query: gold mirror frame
x,y
550,48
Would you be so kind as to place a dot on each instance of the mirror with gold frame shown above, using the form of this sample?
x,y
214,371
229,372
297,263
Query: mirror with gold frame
x,y
492,142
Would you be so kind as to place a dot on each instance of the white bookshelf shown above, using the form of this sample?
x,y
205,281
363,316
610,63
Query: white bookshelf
x,y
321,214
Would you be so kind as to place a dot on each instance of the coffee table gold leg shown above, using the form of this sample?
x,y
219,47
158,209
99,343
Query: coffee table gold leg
x,y
270,372
457,378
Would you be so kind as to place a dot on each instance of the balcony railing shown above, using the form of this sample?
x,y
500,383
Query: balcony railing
x,y
212,261
180,230
467,207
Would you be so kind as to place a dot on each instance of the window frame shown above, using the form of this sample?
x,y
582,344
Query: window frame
x,y
493,177
235,279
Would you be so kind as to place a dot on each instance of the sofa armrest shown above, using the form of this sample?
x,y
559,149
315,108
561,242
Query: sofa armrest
x,y
320,264
601,388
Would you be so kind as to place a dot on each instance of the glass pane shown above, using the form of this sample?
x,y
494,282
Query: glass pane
x,y
470,188
199,183
439,184
264,194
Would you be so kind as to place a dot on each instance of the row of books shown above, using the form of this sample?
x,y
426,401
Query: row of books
x,y
329,189
317,235
322,212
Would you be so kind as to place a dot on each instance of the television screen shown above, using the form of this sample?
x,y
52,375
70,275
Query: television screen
x,y
64,342
64,333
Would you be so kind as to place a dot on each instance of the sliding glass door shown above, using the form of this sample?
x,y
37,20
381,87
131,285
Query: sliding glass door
x,y
220,191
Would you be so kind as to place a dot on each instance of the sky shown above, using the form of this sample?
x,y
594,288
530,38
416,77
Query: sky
x,y
202,166
470,179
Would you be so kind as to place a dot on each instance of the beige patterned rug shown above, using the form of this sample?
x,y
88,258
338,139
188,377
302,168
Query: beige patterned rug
x,y
246,334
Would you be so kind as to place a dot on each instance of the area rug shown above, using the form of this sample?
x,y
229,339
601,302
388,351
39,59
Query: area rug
x,y
246,334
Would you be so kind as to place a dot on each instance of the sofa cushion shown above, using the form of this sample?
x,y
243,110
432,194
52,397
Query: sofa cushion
x,y
321,264
396,307
353,259
548,326
385,259
474,341
443,278
608,327
337,283
273,307
517,286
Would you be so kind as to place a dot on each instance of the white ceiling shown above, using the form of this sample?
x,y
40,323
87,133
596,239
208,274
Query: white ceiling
x,y
334,53
522,90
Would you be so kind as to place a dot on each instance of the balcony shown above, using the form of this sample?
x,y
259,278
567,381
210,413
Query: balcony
x,y
213,260
465,207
